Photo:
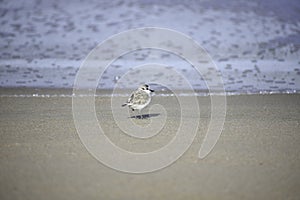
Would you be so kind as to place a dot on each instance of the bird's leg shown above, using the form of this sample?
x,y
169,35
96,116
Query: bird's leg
x,y
141,116
132,112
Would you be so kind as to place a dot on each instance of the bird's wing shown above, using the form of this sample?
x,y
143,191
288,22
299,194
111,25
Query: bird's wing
x,y
140,97
130,99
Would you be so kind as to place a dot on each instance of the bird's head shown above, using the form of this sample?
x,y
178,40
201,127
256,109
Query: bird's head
x,y
145,87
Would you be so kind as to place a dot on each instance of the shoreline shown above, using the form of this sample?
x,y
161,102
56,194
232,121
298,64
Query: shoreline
x,y
68,92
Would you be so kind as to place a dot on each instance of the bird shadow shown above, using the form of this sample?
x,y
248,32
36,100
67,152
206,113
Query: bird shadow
x,y
144,116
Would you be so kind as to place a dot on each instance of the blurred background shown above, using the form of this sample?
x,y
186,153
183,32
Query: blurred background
x,y
255,44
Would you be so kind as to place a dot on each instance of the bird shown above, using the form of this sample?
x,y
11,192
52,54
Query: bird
x,y
139,99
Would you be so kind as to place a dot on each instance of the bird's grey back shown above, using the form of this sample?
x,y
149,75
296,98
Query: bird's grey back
x,y
139,97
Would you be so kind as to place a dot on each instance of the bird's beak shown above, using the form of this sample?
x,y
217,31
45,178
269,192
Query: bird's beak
x,y
151,90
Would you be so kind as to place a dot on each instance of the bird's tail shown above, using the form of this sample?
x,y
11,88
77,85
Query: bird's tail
x,y
125,104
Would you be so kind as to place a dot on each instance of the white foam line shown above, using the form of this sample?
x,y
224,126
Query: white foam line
x,y
163,95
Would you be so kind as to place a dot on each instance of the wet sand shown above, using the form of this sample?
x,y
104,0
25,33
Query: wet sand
x,y
256,157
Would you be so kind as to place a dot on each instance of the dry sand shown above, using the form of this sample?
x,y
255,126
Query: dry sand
x,y
256,157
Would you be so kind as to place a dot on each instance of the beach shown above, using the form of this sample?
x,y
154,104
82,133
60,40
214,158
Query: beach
x,y
256,157
55,52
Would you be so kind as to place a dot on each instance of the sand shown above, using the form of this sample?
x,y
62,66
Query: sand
x,y
256,157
